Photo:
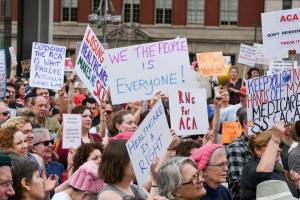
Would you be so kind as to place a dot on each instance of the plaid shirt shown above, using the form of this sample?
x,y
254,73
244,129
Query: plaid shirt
x,y
238,154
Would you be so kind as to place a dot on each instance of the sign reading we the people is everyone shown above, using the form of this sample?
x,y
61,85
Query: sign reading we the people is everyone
x,y
47,66
139,72
90,66
188,111
273,98
151,139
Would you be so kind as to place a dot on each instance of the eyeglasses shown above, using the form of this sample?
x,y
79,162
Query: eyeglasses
x,y
46,143
222,164
288,125
7,185
194,180
5,113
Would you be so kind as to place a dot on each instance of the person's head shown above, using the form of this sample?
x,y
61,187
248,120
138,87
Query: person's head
x,y
87,152
233,73
4,112
115,154
6,180
42,143
10,93
91,104
24,125
42,92
86,116
258,143
124,121
109,110
20,89
28,102
225,96
243,96
40,106
11,139
185,148
242,118
26,180
179,177
253,73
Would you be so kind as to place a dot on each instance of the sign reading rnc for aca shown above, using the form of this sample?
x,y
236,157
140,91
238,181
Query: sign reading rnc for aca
x,y
273,98
138,72
90,66
151,139
47,66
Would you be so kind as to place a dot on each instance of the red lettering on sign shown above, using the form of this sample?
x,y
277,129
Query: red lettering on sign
x,y
288,18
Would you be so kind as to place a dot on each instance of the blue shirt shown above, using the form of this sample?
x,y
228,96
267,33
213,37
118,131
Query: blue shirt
x,y
216,194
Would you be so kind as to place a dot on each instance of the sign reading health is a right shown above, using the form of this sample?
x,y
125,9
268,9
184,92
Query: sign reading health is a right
x,y
281,32
138,72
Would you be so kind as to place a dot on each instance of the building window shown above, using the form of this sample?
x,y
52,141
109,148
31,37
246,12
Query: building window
x,y
286,4
163,11
69,10
196,11
132,11
229,12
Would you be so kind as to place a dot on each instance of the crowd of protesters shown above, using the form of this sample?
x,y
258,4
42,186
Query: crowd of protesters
x,y
34,165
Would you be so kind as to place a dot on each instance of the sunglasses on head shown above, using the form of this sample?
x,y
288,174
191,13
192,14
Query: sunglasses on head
x,y
46,143
6,113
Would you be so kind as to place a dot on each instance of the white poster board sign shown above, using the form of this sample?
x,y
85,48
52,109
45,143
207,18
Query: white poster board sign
x,y
260,57
138,72
13,55
188,111
90,66
47,66
273,98
279,65
281,33
2,73
247,55
151,139
71,131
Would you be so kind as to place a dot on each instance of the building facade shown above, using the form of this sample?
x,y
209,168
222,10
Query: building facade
x,y
209,25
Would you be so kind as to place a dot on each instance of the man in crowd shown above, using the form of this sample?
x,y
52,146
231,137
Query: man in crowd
x,y
91,103
4,113
6,181
10,97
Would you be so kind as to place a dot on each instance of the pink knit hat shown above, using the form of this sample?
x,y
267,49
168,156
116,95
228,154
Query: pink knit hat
x,y
86,179
122,136
202,155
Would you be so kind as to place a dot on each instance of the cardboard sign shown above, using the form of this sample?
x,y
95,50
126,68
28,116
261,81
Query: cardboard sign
x,y
247,55
281,32
71,131
231,131
151,139
260,57
138,72
188,111
279,65
47,63
273,98
69,67
13,55
90,66
2,74
211,63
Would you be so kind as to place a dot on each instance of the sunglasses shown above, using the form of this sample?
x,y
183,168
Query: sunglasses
x,y
46,143
6,113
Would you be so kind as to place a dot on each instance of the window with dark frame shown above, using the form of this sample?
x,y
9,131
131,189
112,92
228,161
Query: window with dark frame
x,y
69,10
287,4
132,11
196,12
163,11
229,12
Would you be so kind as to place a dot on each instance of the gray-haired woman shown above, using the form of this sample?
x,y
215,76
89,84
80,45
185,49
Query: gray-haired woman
x,y
180,179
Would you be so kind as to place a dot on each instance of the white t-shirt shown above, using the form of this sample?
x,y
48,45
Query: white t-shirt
x,y
61,196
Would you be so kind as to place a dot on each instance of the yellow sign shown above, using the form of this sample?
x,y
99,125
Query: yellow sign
x,y
211,64
231,131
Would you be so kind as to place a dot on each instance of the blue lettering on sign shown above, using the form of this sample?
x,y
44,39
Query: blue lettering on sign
x,y
147,86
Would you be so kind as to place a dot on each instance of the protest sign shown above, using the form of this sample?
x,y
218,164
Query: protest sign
x,y
69,67
13,55
26,67
211,63
71,131
247,55
273,98
151,139
188,111
2,73
281,32
231,131
90,66
47,66
279,65
138,72
260,57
